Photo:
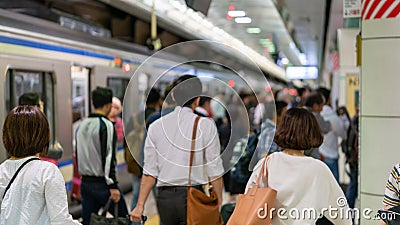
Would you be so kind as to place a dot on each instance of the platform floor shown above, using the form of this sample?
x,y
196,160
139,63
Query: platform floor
x,y
150,209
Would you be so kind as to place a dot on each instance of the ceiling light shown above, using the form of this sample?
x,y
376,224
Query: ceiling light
x,y
253,30
236,13
243,20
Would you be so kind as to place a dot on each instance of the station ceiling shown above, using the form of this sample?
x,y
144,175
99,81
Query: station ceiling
x,y
303,30
294,26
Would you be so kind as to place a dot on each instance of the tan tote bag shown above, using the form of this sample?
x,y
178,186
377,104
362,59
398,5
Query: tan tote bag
x,y
253,208
201,208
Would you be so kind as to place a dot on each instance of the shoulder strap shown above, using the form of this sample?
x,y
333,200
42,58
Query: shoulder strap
x,y
260,175
16,173
196,121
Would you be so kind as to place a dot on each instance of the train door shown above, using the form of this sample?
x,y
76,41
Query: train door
x,y
80,80
23,81
80,91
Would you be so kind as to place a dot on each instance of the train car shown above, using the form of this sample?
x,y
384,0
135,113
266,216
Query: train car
x,y
63,66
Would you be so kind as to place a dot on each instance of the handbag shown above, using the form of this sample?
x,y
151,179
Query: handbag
x,y
202,209
100,217
253,208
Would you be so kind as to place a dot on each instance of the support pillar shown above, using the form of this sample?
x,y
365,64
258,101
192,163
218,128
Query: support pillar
x,y
380,94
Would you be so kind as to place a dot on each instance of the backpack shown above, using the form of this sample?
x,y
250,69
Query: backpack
x,y
241,158
134,144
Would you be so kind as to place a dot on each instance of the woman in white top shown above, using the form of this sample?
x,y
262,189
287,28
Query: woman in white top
x,y
37,195
306,187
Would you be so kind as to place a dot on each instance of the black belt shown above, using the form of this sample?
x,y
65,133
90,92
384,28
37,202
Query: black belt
x,y
178,188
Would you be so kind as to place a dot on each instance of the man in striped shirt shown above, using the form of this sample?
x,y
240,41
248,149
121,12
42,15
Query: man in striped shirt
x,y
392,197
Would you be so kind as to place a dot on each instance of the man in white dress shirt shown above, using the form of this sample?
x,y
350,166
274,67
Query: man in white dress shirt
x,y
167,153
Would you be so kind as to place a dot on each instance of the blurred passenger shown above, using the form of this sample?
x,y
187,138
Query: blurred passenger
x,y
96,156
113,116
229,134
259,111
315,103
37,195
167,106
166,156
251,106
218,108
153,103
274,114
55,150
347,123
246,99
302,182
76,180
302,95
284,96
351,153
204,107
344,116
329,148
32,99
136,135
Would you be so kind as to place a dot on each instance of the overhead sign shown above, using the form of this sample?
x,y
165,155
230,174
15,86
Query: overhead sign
x,y
301,72
351,8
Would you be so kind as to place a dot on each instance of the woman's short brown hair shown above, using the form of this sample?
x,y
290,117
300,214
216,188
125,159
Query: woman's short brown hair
x,y
299,130
26,132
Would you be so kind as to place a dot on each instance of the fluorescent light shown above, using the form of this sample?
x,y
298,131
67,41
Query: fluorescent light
x,y
236,13
253,30
302,72
243,20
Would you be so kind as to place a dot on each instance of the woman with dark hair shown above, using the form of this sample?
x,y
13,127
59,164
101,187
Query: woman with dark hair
x,y
305,185
32,191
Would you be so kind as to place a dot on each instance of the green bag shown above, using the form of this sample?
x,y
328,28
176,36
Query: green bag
x,y
226,211
100,217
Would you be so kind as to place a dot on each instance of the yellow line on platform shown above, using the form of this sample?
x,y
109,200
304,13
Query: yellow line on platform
x,y
155,220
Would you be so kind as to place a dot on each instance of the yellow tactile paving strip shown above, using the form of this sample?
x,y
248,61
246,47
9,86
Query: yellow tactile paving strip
x,y
155,220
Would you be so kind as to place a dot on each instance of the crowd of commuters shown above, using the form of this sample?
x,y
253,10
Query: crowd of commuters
x,y
298,135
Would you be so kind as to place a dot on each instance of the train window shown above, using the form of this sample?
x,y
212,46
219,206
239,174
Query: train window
x,y
80,90
118,86
19,82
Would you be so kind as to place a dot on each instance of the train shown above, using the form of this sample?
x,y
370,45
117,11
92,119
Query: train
x,y
64,66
